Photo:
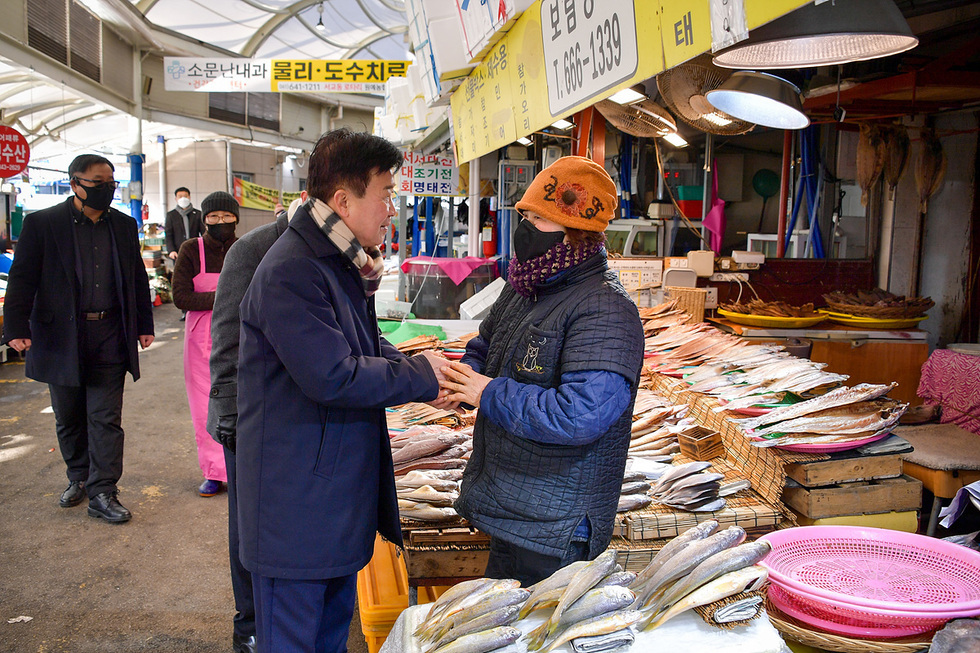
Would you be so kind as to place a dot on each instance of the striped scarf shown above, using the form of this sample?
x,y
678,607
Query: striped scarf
x,y
368,262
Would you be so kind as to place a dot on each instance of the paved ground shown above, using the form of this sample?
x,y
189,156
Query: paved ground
x,y
158,583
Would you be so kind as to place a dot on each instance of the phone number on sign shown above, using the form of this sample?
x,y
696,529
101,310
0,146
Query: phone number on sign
x,y
588,51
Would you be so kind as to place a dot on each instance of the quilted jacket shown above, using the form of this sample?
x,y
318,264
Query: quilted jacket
x,y
533,493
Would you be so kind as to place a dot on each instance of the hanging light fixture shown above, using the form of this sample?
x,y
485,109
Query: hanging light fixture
x,y
319,23
629,95
760,98
833,32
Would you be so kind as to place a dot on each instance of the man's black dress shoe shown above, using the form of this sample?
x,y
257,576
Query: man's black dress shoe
x,y
73,495
106,506
244,644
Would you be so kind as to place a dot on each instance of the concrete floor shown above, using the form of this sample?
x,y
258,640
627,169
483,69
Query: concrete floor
x,y
158,583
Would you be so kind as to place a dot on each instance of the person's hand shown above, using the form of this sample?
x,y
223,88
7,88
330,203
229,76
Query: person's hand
x,y
226,431
436,362
442,402
145,341
20,344
173,256
464,385
279,209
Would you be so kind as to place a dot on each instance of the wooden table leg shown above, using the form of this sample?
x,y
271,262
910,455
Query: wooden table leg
x,y
937,504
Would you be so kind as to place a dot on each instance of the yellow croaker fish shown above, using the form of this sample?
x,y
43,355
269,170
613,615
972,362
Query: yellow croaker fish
x,y
463,599
698,532
746,579
602,625
587,578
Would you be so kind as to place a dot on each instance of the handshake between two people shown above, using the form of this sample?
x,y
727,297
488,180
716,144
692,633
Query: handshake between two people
x,y
458,382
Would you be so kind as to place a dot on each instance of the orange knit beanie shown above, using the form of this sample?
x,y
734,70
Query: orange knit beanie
x,y
574,192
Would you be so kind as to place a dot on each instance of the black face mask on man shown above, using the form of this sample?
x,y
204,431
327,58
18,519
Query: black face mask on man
x,y
530,242
98,197
222,232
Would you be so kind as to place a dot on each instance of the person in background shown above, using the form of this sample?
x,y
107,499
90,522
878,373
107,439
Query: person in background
x,y
199,263
78,302
239,267
554,372
315,476
182,222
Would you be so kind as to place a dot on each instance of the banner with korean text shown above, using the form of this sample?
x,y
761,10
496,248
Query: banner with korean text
x,y
230,75
253,196
427,174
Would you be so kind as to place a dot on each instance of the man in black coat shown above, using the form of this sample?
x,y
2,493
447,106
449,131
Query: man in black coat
x,y
182,223
78,301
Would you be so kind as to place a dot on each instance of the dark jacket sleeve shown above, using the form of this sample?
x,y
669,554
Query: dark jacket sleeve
x,y
23,280
390,352
185,269
170,237
196,222
144,307
239,268
290,311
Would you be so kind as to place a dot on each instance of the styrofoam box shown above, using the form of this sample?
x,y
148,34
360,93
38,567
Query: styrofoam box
x,y
477,306
637,272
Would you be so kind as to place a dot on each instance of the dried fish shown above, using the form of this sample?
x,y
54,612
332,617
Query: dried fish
x,y
837,397
897,148
593,603
680,472
421,511
558,580
686,560
583,581
746,579
499,617
601,625
629,502
490,602
870,159
843,420
618,578
719,564
423,447
483,641
930,167
674,546
427,494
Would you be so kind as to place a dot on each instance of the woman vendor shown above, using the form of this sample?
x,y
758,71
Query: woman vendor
x,y
554,373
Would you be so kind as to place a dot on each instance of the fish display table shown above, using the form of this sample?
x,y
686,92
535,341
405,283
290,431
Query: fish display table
x,y
865,355
687,632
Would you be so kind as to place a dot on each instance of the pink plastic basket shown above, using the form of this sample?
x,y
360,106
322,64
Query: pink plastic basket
x,y
852,621
876,568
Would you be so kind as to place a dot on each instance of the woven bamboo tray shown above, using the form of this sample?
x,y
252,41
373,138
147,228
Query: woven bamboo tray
x,y
911,308
799,632
746,509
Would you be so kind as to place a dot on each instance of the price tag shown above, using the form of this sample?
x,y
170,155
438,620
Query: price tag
x,y
589,47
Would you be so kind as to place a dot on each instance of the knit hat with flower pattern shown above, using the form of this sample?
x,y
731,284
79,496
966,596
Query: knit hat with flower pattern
x,y
574,192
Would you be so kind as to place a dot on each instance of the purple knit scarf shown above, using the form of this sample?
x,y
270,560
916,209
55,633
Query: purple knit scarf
x,y
527,276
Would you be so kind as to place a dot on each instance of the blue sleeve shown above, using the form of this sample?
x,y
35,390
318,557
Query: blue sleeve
x,y
391,352
476,353
577,412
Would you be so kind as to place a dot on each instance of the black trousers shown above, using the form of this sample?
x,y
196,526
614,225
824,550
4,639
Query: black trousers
x,y
241,578
88,422
509,560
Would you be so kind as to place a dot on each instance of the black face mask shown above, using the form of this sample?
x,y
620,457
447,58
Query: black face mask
x,y
530,242
98,197
222,232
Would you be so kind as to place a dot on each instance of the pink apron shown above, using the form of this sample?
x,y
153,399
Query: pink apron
x,y
197,376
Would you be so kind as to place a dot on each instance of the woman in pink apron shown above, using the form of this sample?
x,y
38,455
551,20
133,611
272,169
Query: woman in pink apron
x,y
195,279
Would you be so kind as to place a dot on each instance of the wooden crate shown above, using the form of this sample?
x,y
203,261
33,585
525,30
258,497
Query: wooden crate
x,y
445,562
701,444
859,498
845,469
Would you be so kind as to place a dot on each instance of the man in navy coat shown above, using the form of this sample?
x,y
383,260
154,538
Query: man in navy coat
x,y
315,477
78,301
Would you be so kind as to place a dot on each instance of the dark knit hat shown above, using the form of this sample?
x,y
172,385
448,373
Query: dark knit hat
x,y
574,192
219,200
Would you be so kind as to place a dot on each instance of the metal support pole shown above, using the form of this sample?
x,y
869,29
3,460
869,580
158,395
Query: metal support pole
x,y
784,193
402,244
163,174
473,224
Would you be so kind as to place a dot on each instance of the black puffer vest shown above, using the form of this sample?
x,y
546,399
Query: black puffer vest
x,y
533,494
